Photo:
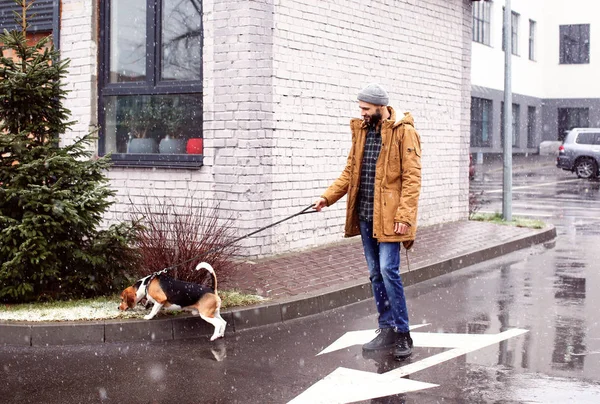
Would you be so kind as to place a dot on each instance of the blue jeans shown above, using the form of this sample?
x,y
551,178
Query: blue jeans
x,y
383,260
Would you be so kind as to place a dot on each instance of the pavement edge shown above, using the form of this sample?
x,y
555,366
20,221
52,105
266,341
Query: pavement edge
x,y
111,331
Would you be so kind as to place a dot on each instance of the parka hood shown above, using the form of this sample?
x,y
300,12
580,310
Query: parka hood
x,y
407,119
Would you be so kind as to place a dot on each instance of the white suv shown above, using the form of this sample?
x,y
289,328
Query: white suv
x,y
580,152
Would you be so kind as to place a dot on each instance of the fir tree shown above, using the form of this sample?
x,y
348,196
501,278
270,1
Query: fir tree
x,y
52,198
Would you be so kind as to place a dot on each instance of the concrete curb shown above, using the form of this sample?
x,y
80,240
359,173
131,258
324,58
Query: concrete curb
x,y
183,327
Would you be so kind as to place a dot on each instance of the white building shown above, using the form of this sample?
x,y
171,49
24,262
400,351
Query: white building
x,y
269,86
556,58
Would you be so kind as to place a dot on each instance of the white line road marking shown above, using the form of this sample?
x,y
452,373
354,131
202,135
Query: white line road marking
x,y
345,385
356,338
542,198
494,191
547,204
525,214
518,213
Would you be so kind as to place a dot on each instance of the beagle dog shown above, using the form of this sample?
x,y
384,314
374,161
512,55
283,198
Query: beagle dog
x,y
173,294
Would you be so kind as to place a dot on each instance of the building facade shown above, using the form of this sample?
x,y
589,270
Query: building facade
x,y
247,103
555,50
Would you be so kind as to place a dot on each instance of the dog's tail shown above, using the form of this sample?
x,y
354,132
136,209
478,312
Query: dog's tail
x,y
210,269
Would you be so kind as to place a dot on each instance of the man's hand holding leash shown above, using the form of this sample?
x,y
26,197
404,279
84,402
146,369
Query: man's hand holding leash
x,y
320,204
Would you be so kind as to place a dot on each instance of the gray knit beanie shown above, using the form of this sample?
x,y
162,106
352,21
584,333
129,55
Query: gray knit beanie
x,y
374,94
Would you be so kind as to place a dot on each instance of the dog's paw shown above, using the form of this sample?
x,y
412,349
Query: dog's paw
x,y
148,317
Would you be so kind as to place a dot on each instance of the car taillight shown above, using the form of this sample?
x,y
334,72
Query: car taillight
x,y
561,149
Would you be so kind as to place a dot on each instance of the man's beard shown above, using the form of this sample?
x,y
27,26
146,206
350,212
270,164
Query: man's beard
x,y
374,119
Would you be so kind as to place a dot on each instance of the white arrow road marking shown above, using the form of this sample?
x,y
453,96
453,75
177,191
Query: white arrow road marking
x,y
533,186
347,386
470,345
357,338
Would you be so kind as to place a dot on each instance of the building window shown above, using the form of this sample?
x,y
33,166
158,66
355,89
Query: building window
x,y
481,122
515,33
481,22
40,16
531,143
569,118
575,44
151,82
532,26
514,36
515,124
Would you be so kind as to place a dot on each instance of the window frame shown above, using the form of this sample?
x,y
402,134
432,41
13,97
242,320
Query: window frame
x,y
516,124
482,12
531,125
532,32
582,44
478,105
514,36
514,32
152,85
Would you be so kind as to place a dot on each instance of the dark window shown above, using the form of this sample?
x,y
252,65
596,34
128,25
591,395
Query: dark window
x,y
569,118
532,26
531,127
515,124
481,122
514,35
481,22
151,82
575,44
40,15
587,138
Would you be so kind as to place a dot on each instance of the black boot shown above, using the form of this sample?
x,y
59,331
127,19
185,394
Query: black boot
x,y
386,338
404,345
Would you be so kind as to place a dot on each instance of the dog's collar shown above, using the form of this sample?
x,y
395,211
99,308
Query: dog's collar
x,y
145,282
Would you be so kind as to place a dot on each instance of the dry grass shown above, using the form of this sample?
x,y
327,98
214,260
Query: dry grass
x,y
517,221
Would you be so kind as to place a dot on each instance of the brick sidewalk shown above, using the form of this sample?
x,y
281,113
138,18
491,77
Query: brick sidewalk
x,y
295,274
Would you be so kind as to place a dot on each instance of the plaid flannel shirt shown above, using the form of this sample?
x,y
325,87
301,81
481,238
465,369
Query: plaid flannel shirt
x,y
366,193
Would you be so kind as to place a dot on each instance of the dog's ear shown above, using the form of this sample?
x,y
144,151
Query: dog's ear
x,y
130,298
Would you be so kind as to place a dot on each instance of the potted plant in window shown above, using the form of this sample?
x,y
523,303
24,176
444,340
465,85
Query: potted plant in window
x,y
173,118
140,119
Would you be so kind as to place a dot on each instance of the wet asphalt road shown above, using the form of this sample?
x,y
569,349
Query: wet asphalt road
x,y
551,291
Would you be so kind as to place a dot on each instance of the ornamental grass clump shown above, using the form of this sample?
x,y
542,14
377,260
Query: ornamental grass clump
x,y
185,234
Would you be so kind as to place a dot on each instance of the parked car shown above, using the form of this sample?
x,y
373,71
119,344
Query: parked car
x,y
580,152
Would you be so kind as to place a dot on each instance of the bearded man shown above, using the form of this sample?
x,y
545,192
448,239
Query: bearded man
x,y
382,178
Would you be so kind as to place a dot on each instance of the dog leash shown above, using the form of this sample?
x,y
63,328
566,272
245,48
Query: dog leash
x,y
302,212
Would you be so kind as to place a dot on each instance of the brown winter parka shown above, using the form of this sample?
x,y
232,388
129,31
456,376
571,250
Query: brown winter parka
x,y
397,179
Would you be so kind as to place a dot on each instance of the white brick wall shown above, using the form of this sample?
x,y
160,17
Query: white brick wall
x,y
325,52
280,83
78,42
